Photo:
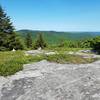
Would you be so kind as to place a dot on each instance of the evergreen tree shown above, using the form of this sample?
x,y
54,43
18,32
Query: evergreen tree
x,y
29,40
40,42
8,39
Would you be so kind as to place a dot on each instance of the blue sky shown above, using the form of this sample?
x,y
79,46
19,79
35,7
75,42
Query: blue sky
x,y
58,15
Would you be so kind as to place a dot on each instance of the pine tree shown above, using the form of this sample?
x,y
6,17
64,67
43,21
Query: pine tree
x,y
7,34
29,40
40,42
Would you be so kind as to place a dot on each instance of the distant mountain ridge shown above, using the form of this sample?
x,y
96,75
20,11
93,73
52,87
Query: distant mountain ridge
x,y
55,37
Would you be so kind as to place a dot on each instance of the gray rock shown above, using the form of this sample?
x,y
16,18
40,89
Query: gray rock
x,y
50,53
85,51
51,81
38,52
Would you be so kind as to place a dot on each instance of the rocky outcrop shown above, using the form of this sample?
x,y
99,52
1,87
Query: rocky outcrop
x,y
52,81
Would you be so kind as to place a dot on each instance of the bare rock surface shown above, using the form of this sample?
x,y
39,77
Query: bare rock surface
x,y
51,81
38,52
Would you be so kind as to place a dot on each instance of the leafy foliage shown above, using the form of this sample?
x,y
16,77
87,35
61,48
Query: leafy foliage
x,y
96,44
69,44
93,43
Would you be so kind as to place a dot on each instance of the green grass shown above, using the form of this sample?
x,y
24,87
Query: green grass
x,y
12,62
65,49
66,58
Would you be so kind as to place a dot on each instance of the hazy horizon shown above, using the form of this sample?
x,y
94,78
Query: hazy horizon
x,y
54,15
54,30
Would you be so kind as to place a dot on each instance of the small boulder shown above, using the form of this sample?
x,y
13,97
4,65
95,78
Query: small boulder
x,y
50,53
13,50
39,48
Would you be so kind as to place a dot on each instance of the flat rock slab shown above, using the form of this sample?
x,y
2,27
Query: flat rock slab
x,y
51,81
38,52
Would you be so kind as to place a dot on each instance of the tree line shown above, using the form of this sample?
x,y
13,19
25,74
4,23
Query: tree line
x,y
38,43
10,40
